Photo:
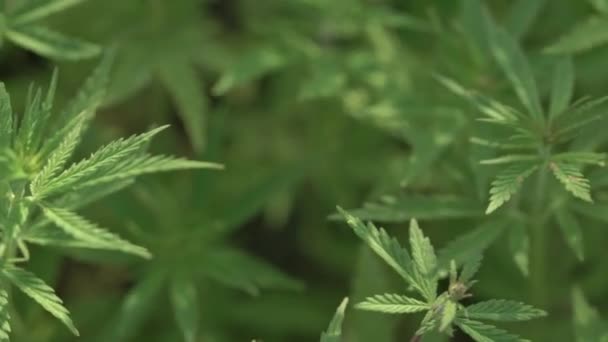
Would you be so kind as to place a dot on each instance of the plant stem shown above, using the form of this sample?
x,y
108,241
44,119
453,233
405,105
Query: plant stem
x,y
14,219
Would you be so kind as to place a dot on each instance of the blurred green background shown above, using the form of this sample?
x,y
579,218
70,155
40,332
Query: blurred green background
x,y
309,104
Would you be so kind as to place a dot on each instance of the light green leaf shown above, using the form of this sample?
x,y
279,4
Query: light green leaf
x,y
571,231
105,159
406,207
510,158
425,261
186,89
37,9
89,233
519,245
334,331
393,304
562,87
250,66
494,110
5,317
507,183
385,247
502,310
51,44
582,37
141,165
571,177
81,107
40,292
481,332
185,301
59,157
448,314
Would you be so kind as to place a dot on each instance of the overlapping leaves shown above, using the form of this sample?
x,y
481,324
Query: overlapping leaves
x,y
420,271
45,189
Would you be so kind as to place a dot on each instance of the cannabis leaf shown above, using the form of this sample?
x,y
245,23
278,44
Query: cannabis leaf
x,y
22,29
47,191
5,317
40,292
534,131
502,310
393,303
445,310
89,233
334,331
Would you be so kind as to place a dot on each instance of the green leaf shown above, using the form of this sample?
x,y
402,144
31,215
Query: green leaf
x,y
507,183
502,310
514,64
334,331
393,304
105,159
572,232
510,159
582,37
448,314
571,177
385,247
51,44
588,326
519,245
233,268
89,233
6,118
81,108
481,332
494,110
425,261
37,9
406,207
5,317
141,165
56,161
187,90
185,301
562,87
470,244
250,66
40,292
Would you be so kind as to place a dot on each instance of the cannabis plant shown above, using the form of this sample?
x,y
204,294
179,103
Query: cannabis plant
x,y
443,310
41,191
20,24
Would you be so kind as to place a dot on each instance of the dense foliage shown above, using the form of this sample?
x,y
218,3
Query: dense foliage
x,y
482,120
